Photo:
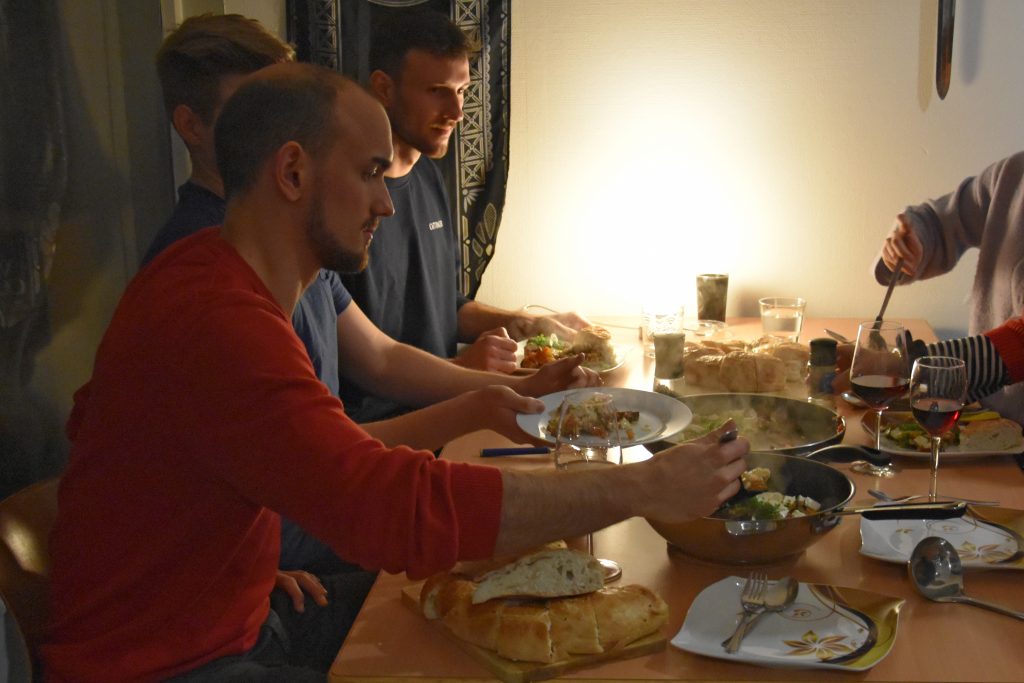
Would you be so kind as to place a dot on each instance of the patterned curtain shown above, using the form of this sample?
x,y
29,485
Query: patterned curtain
x,y
337,33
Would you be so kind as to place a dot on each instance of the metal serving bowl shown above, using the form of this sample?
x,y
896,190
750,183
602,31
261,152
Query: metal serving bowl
x,y
761,542
731,541
812,425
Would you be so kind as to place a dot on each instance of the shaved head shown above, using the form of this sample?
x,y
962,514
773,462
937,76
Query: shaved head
x,y
289,102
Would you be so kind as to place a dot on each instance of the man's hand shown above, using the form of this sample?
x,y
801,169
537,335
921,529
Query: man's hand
x,y
294,583
565,325
565,373
902,243
497,407
493,350
695,478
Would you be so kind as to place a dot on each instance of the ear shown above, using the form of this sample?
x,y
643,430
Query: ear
x,y
382,87
292,170
188,124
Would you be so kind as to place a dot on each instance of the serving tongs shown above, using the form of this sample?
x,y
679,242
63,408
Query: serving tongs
x,y
929,510
876,337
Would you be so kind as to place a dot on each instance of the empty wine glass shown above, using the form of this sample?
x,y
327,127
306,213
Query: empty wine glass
x,y
880,371
938,385
588,434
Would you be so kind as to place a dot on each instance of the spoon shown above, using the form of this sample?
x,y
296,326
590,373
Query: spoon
x,y
777,598
936,572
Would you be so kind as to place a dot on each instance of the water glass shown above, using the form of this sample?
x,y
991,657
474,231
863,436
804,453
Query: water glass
x,y
782,317
658,318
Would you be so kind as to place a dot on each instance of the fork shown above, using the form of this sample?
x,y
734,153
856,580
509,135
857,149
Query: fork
x,y
752,600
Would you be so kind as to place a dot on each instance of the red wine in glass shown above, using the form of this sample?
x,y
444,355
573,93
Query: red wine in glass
x,y
878,391
936,415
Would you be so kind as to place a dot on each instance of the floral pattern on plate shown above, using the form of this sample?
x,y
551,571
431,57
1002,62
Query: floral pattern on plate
x,y
826,627
984,538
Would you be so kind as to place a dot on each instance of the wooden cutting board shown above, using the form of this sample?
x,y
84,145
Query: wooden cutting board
x,y
523,672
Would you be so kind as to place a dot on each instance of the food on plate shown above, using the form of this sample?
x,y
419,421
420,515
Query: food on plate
x,y
584,418
766,505
543,349
547,629
760,367
593,342
982,432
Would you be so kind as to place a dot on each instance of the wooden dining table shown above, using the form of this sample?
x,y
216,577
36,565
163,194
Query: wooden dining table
x,y
389,641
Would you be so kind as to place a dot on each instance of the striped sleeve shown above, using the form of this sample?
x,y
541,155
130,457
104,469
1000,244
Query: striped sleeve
x,y
986,372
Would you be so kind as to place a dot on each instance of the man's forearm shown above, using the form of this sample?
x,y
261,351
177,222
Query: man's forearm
x,y
476,318
427,428
563,504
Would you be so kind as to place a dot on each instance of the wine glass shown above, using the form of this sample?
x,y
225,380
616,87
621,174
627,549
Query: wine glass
x,y
880,371
588,434
938,385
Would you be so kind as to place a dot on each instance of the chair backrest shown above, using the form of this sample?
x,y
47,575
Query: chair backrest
x,y
26,518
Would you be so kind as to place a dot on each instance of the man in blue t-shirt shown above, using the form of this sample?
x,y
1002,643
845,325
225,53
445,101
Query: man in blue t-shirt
x,y
200,66
419,72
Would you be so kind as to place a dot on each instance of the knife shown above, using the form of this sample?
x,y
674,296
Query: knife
x,y
944,46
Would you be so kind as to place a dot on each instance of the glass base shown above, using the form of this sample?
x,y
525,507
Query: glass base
x,y
612,570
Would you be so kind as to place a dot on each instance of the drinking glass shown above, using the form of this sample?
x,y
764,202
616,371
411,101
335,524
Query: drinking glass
x,y
712,289
657,317
938,385
588,435
880,371
782,317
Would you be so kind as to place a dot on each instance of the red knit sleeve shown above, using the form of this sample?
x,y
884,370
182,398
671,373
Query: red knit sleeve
x,y
283,441
1008,339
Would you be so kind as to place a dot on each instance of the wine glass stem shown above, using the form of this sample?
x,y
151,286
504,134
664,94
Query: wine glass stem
x,y
590,544
933,491
878,431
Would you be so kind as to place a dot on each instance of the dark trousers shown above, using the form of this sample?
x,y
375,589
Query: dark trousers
x,y
294,646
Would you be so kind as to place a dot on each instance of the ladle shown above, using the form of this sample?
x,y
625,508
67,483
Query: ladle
x,y
936,572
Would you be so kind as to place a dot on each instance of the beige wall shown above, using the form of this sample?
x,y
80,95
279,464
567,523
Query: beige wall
x,y
654,139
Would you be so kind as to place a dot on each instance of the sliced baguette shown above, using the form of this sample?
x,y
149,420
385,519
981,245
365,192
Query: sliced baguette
x,y
546,574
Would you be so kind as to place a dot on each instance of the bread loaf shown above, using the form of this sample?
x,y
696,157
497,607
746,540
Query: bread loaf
x,y
548,573
545,630
745,371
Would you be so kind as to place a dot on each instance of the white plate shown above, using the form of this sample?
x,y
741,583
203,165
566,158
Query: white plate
x,y
1014,442
825,628
660,416
979,544
620,358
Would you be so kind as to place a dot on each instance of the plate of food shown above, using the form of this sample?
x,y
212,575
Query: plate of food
x,y
985,538
977,434
644,415
594,342
826,627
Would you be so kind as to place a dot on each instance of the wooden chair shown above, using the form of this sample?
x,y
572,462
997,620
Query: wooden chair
x,y
26,518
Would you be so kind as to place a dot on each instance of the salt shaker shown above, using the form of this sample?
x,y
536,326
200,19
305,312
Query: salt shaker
x,y
821,368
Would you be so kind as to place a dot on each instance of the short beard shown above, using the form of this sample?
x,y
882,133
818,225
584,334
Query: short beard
x,y
328,251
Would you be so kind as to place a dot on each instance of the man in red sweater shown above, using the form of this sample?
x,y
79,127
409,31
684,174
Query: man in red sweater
x,y
183,453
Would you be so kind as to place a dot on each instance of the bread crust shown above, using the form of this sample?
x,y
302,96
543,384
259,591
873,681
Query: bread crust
x,y
552,573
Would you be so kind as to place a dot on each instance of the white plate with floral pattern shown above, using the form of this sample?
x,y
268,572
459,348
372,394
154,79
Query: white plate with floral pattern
x,y
983,538
826,627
